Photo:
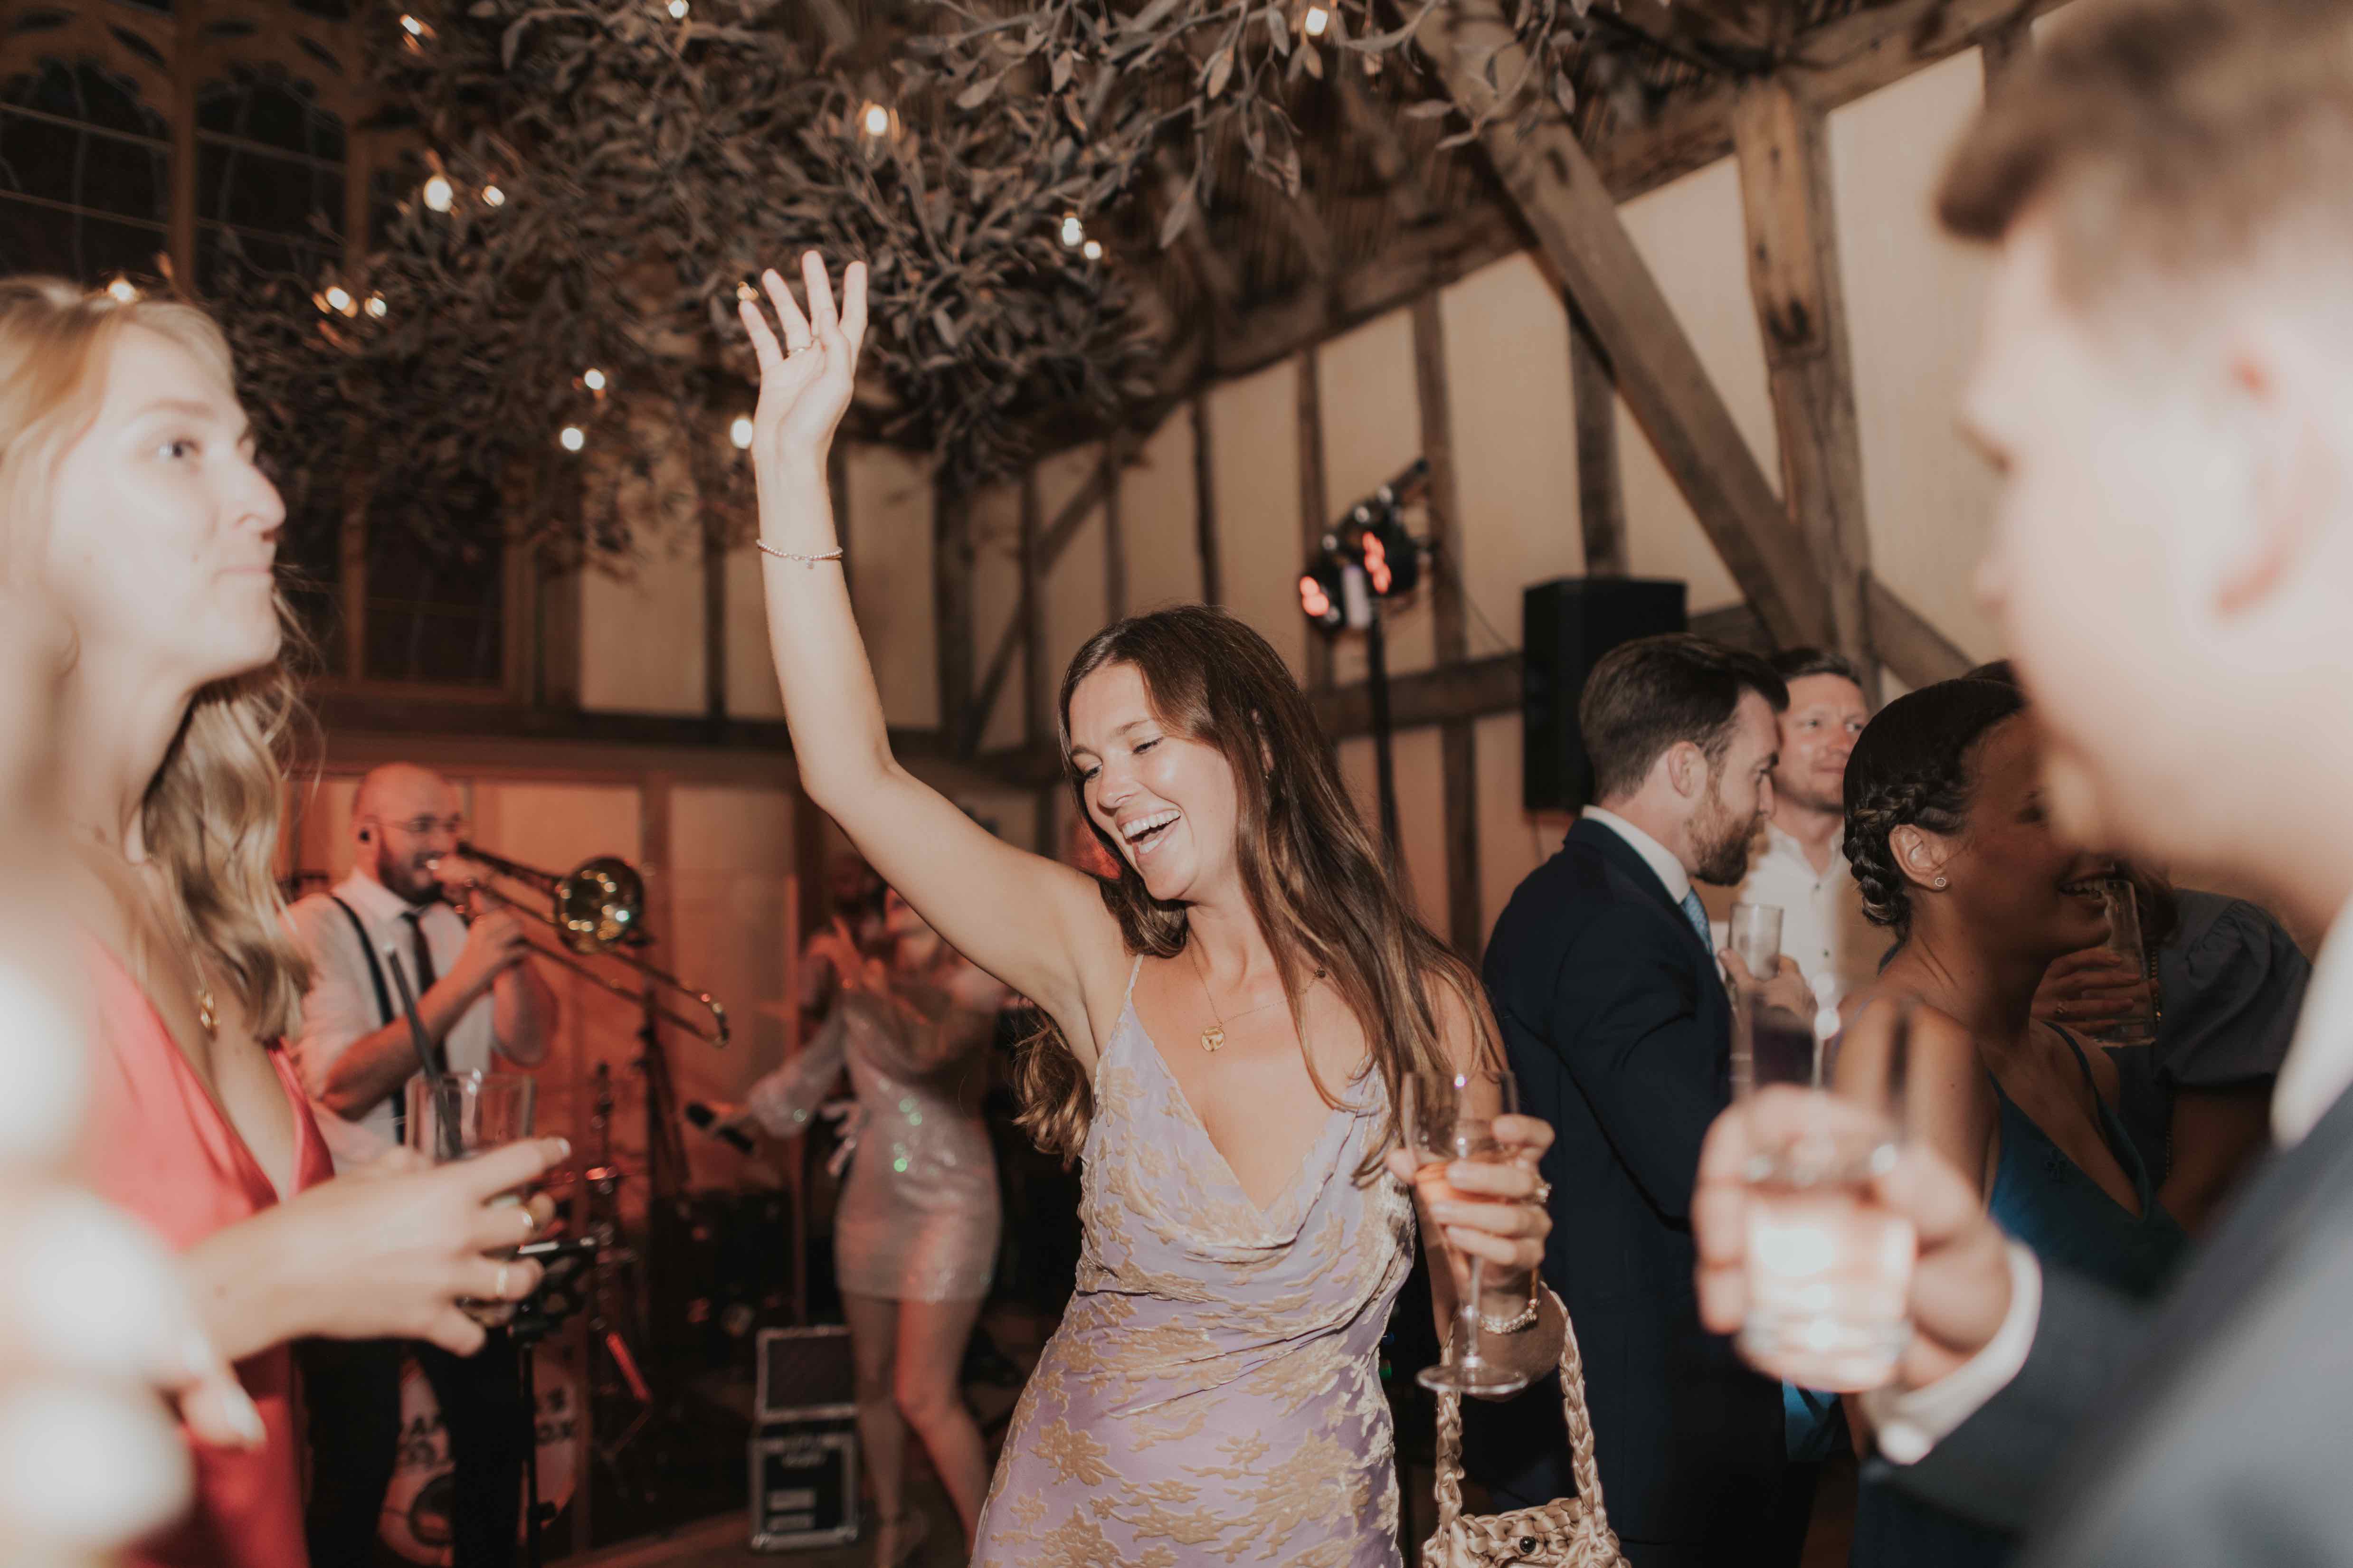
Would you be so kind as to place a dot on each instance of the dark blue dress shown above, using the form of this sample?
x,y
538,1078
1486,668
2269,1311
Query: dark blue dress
x,y
2045,1200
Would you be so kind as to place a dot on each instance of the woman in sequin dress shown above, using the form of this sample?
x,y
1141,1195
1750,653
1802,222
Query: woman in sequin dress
x,y
1231,1019
915,1241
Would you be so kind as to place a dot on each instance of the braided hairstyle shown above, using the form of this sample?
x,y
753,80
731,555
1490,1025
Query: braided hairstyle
x,y
1914,765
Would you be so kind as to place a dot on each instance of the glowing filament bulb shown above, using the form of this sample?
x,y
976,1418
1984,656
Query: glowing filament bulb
x,y
416,29
1074,231
593,379
440,192
572,437
1093,250
875,121
375,306
494,197
1317,20
677,10
339,298
739,432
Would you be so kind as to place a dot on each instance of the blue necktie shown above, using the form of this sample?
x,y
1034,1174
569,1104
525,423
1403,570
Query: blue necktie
x,y
1697,913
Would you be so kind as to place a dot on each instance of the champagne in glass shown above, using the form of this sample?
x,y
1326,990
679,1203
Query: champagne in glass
x,y
482,1112
1438,1131
1830,1271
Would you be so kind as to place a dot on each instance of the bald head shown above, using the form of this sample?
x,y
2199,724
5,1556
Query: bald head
x,y
403,818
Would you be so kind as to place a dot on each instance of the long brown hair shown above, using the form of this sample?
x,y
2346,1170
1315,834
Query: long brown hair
x,y
211,814
1316,880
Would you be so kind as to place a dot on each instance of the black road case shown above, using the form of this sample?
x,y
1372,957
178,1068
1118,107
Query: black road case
x,y
803,1448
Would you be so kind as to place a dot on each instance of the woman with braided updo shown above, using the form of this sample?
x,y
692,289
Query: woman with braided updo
x,y
1956,855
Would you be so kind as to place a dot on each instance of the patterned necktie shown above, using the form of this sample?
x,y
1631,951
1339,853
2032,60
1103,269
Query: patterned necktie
x,y
1697,913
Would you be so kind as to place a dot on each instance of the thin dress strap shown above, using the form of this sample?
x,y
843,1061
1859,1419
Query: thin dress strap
x,y
1129,996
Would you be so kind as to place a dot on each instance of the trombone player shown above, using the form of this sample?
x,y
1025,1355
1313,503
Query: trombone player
x,y
479,999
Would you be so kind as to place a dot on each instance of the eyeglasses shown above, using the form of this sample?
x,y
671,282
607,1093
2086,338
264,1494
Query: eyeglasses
x,y
425,826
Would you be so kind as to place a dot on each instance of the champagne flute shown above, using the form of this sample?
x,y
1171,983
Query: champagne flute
x,y
1438,1130
1756,938
485,1111
1830,1271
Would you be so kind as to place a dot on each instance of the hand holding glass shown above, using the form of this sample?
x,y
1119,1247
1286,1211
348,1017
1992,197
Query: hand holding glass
x,y
1438,1131
484,1111
1829,1270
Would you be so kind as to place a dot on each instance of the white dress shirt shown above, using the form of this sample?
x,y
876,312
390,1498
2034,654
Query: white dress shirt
x,y
1655,854
2318,1069
1822,924
341,1005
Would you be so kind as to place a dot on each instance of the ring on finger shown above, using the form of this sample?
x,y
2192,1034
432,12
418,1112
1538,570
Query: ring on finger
x,y
1543,1194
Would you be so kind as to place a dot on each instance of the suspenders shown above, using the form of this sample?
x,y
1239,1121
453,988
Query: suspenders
x,y
384,1014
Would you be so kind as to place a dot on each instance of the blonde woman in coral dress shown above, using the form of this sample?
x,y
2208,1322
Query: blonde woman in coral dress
x,y
1231,1018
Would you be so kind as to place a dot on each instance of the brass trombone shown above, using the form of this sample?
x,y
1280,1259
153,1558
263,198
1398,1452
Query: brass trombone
x,y
596,911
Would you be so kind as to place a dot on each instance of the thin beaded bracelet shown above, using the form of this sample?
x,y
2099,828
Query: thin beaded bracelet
x,y
767,548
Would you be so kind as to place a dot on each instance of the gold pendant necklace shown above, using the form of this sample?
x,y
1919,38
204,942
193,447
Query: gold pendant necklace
x,y
1214,1036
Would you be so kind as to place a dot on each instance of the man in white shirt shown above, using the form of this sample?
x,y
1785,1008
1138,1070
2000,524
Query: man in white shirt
x,y
2167,386
1798,866
479,999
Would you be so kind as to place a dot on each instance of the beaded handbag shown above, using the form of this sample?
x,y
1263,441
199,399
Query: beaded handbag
x,y
1567,1532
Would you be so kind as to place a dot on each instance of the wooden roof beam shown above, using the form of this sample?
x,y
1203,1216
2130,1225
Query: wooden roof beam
x,y
1582,244
1841,61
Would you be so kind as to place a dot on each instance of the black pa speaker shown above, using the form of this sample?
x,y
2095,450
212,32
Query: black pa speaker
x,y
1566,625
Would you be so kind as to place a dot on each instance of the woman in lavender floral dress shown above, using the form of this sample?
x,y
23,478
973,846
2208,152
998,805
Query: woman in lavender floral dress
x,y
1231,1020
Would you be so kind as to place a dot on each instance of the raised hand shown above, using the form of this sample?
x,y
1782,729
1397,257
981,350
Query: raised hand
x,y
805,379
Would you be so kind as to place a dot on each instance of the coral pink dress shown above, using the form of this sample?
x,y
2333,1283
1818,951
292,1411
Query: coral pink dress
x,y
162,1150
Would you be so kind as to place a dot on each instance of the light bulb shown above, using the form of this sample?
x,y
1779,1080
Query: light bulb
x,y
572,438
375,306
741,431
593,379
677,10
123,290
414,27
1093,250
875,121
440,192
339,298
1317,20
494,197
1074,231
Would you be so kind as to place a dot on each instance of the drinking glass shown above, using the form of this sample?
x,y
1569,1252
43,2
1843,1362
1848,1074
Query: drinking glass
x,y
1437,1131
1757,937
1830,1271
2139,1027
456,1116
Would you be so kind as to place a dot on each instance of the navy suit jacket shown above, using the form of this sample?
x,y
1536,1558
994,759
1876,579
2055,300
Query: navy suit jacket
x,y
1617,1024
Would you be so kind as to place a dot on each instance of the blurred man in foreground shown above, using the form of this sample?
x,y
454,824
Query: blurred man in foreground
x,y
2166,385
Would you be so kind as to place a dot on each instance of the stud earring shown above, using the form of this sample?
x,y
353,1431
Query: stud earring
x,y
1940,881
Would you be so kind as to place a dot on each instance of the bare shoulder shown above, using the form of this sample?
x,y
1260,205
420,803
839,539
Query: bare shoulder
x,y
1464,1028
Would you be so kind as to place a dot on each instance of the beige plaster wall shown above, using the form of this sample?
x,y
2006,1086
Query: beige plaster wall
x,y
1912,298
890,525
641,632
1076,603
1157,519
1691,235
1254,453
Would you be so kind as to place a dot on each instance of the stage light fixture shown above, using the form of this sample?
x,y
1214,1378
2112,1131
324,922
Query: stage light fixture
x,y
572,437
440,192
739,432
